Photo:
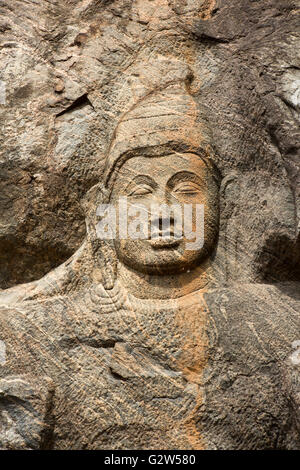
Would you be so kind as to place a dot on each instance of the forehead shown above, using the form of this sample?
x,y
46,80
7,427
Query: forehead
x,y
162,166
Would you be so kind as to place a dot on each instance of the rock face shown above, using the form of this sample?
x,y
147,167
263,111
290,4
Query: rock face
x,y
133,343
215,371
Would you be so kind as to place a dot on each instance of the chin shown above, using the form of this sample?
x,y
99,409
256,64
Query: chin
x,y
161,263
142,257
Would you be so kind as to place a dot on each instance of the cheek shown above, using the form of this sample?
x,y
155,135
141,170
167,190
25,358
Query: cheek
x,y
135,206
123,248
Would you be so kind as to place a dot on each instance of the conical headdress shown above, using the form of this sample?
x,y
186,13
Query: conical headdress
x,y
164,121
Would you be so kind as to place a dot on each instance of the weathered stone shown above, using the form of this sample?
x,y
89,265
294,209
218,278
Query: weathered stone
x,y
143,344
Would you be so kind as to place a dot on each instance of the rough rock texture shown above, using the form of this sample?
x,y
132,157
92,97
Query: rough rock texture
x,y
70,70
129,375
85,363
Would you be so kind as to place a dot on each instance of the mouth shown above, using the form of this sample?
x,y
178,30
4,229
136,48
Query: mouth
x,y
164,242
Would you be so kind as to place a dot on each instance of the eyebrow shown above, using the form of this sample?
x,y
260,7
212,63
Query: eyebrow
x,y
184,176
140,179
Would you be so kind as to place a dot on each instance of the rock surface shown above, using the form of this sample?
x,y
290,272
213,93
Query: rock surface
x,y
71,69
221,374
84,363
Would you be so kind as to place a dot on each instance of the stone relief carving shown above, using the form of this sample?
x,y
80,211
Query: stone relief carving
x,y
151,160
142,344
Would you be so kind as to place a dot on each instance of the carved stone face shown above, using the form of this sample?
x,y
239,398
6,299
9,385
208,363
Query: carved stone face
x,y
169,179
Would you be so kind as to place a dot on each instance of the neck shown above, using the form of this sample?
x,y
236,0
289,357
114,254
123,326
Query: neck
x,y
149,286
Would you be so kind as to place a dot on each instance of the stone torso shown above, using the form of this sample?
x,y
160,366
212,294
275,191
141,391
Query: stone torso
x,y
102,370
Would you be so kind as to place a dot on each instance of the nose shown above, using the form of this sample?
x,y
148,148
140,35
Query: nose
x,y
163,222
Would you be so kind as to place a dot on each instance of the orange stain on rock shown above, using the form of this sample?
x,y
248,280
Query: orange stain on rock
x,y
207,9
191,321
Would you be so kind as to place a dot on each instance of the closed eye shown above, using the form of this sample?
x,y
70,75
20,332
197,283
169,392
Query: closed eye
x,y
141,190
187,188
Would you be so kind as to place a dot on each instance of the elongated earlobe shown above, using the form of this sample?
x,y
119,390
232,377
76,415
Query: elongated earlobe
x,y
104,256
103,250
106,259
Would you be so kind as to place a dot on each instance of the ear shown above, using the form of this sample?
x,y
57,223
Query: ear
x,y
105,257
103,250
229,181
95,195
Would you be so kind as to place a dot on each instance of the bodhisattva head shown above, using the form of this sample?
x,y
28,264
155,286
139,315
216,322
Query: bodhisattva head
x,y
161,158
151,183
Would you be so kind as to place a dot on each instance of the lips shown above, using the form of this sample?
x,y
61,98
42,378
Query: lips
x,y
163,240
